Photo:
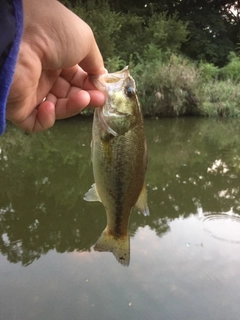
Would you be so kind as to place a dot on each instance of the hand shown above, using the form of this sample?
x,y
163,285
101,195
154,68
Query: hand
x,y
54,42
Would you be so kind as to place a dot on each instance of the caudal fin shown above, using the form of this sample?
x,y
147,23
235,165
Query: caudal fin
x,y
120,247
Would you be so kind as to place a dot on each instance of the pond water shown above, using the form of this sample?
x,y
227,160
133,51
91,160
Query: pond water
x,y
185,257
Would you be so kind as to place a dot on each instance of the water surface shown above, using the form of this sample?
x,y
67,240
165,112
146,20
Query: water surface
x,y
184,257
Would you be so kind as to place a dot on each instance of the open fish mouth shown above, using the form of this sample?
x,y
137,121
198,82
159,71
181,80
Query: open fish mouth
x,y
114,80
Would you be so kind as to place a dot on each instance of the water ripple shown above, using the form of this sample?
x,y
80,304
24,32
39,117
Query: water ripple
x,y
223,226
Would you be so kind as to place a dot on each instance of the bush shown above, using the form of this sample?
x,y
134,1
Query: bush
x,y
221,99
232,69
168,88
208,71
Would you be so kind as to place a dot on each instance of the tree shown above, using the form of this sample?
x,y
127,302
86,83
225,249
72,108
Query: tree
x,y
213,25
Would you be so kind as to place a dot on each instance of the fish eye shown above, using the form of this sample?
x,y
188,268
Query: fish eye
x,y
129,91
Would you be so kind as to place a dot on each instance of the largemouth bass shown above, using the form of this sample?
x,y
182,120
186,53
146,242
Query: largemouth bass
x,y
119,157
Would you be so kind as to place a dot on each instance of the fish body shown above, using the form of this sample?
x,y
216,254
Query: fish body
x,y
119,157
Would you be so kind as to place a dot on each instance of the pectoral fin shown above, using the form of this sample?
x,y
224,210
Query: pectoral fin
x,y
141,203
92,194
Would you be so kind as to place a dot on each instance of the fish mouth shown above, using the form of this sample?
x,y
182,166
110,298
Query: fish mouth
x,y
115,80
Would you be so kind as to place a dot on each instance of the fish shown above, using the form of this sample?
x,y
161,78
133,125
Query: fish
x,y
119,159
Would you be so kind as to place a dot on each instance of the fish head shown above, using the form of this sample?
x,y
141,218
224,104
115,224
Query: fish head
x,y
122,107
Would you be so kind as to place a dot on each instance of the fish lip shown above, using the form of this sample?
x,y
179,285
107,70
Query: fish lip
x,y
103,81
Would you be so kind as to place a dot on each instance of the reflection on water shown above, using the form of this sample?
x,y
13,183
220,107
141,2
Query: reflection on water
x,y
179,261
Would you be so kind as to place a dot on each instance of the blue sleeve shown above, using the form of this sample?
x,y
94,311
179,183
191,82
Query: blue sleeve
x,y
11,29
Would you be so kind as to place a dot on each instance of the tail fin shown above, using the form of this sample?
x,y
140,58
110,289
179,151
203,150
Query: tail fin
x,y
119,246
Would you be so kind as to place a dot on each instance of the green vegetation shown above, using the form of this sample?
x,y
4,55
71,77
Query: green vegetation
x,y
179,87
180,53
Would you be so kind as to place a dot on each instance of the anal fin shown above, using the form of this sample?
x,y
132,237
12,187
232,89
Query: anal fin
x,y
141,203
92,194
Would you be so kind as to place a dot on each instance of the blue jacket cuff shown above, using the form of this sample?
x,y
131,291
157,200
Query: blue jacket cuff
x,y
7,71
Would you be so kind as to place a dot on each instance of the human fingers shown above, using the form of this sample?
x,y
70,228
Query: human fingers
x,y
76,102
73,80
39,119
77,77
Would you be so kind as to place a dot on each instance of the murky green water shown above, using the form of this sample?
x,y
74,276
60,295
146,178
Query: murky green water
x,y
185,257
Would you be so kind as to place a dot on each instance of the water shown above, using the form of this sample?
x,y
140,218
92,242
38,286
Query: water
x,y
184,257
